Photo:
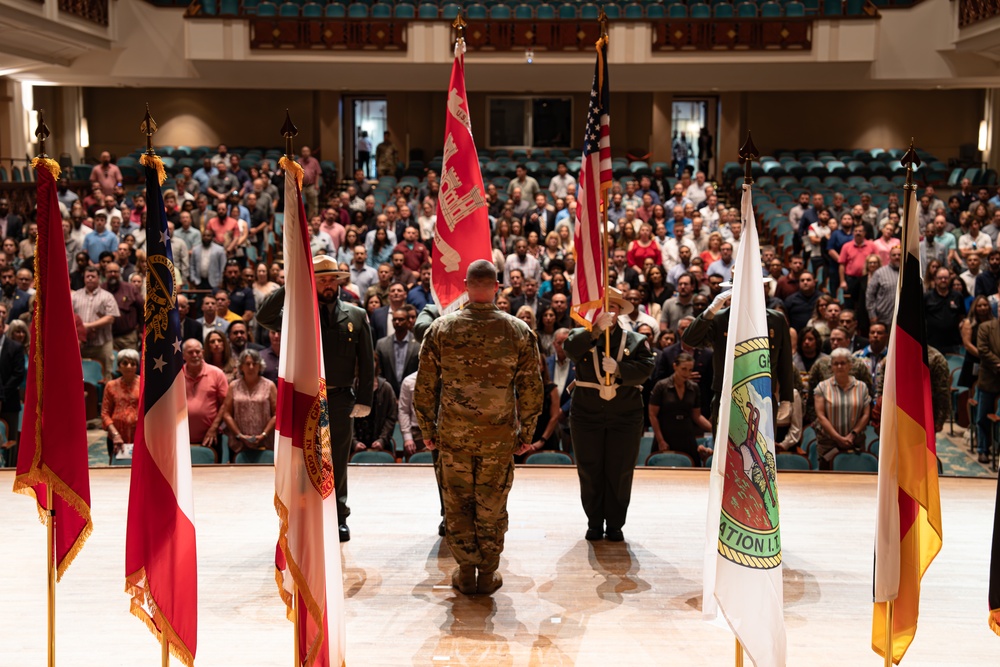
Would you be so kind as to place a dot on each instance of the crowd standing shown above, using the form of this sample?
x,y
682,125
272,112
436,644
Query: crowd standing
x,y
672,245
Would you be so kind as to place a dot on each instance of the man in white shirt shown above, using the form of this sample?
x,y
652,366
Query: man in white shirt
x,y
520,259
630,197
670,253
695,236
710,212
975,242
362,275
559,183
968,276
635,318
815,239
696,191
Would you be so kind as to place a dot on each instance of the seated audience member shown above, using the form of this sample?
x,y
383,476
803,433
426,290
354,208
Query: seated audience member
x,y
120,407
206,387
675,411
250,407
843,408
399,353
374,432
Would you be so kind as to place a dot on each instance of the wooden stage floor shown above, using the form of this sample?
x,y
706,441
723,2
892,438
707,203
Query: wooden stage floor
x,y
564,601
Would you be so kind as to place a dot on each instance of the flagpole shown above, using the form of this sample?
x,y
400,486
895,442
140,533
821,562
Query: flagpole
x,y
164,649
295,632
50,559
747,153
888,632
603,205
42,133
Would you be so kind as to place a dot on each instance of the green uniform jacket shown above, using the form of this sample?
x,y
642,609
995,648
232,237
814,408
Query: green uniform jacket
x,y
348,352
479,387
713,332
635,367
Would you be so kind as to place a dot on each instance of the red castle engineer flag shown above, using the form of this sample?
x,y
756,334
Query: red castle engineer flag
x,y
54,438
303,469
462,232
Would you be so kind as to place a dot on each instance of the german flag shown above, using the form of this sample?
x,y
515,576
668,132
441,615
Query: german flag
x,y
908,525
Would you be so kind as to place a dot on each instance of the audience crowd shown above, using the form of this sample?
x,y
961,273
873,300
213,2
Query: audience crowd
x,y
672,245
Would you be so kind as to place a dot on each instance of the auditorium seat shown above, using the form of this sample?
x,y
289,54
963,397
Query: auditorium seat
x,y
633,11
201,454
369,456
524,12
421,457
259,457
567,11
476,12
699,10
791,461
724,10
770,10
499,12
357,10
405,11
589,11
427,10
381,10
549,458
655,11
612,11
677,11
547,12
746,10
288,9
670,460
851,462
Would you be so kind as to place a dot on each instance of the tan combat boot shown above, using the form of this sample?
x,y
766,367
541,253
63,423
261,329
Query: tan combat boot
x,y
464,579
488,582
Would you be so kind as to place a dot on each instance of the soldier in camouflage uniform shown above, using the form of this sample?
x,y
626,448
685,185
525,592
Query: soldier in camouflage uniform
x,y
607,421
478,396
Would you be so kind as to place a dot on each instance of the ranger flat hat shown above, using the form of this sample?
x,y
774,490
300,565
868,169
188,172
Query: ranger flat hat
x,y
326,265
615,296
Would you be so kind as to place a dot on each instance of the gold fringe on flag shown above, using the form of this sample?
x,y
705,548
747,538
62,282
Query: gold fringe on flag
x,y
154,162
47,163
292,167
995,621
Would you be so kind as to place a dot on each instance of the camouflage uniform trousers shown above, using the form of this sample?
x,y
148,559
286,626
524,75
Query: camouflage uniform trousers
x,y
475,489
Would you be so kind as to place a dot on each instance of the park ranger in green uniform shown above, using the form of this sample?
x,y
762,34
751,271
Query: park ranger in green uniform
x,y
606,421
478,396
348,356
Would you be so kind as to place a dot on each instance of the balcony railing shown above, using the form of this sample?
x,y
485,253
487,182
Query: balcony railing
x,y
733,35
95,11
334,34
974,11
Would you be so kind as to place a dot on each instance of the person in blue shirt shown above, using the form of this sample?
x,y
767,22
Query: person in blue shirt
x,y
101,239
420,294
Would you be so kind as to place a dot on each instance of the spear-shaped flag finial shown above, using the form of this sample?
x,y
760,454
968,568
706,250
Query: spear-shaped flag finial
x,y
148,127
748,153
911,161
42,132
288,131
602,18
459,25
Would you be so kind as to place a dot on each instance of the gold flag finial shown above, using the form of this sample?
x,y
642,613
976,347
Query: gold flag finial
x,y
288,131
459,25
748,153
602,18
42,132
148,127
911,161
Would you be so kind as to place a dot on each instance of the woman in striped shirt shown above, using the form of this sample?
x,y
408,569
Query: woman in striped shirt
x,y
843,407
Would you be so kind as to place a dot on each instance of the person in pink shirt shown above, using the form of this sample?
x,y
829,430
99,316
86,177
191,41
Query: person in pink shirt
x,y
885,243
206,393
852,265
310,181
106,174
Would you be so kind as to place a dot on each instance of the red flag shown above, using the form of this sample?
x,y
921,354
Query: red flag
x,y
303,472
462,232
161,568
908,525
595,180
53,450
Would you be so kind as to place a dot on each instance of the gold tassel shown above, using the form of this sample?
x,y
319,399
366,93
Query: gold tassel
x,y
995,621
154,162
47,163
292,167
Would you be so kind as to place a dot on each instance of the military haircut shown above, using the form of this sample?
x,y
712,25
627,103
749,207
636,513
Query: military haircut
x,y
481,272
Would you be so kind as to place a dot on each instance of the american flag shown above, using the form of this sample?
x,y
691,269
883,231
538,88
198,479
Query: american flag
x,y
595,181
161,569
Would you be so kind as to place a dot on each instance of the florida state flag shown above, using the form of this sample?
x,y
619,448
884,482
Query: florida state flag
x,y
462,232
53,450
303,473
